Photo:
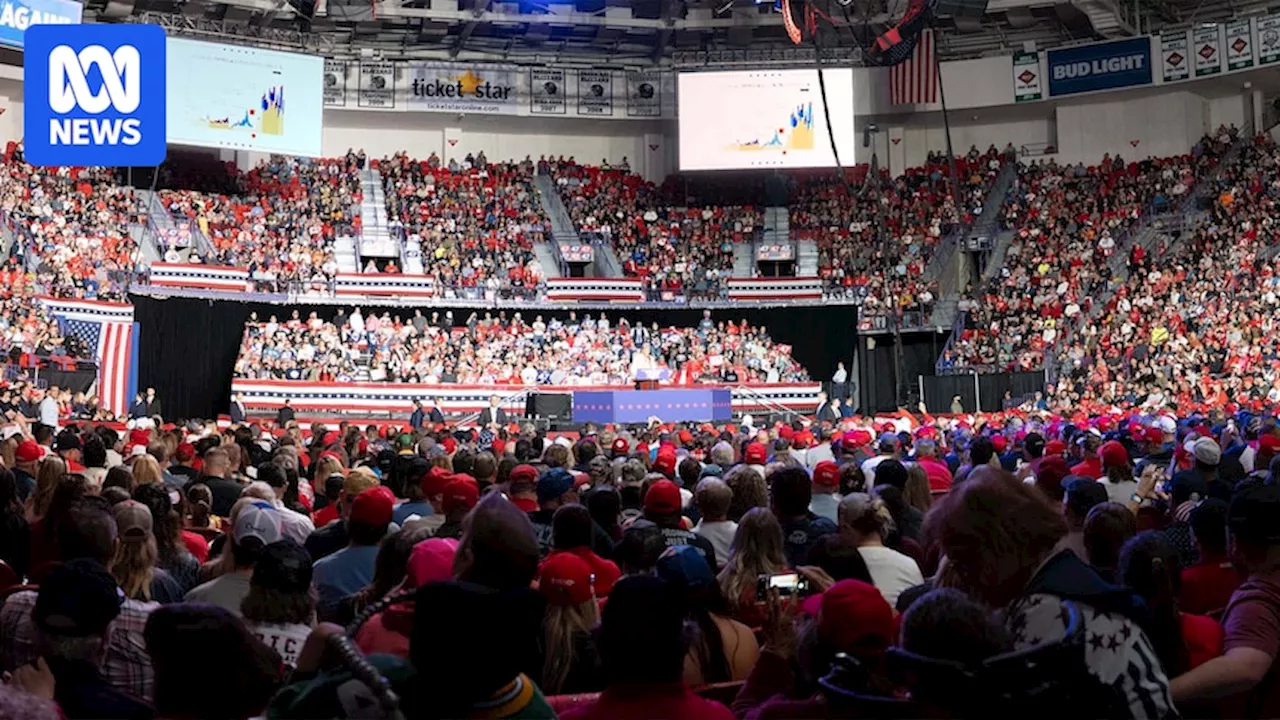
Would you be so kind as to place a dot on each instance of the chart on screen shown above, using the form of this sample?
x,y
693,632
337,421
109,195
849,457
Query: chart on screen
x,y
765,119
229,96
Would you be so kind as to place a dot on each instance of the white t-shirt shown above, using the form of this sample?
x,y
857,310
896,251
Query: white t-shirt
x,y
891,571
284,639
869,468
49,412
1119,492
720,535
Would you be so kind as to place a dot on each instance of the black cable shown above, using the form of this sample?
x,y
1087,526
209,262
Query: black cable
x,y
826,111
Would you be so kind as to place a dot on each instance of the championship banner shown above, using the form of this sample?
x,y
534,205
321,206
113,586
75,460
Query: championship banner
x,y
199,277
466,88
1207,42
577,252
1269,40
644,93
377,87
786,288
595,93
1026,77
327,401
546,92
1239,44
1175,63
335,83
597,289
357,285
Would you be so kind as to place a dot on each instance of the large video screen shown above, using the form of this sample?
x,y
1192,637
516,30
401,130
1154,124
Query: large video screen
x,y
764,119
230,96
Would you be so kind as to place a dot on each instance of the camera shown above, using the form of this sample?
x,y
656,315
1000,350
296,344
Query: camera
x,y
787,585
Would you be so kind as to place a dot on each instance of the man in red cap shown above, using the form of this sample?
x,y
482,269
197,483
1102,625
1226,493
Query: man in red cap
x,y
662,504
826,490
620,448
756,455
27,458
461,493
351,568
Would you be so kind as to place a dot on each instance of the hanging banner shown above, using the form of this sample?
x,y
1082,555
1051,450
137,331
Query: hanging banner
x,y
546,92
1269,40
377,87
595,93
1100,66
1208,48
457,87
1239,44
1026,77
644,93
1175,64
335,83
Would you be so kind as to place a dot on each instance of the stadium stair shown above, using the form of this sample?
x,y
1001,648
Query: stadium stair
x,y
146,243
562,230
744,260
159,219
376,238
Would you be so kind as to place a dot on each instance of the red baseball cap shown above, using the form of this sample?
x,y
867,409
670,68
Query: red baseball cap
x,y
663,497
1113,453
1000,443
620,446
329,438
186,452
686,437
665,463
499,447
28,451
854,618
434,482
430,561
826,474
523,474
756,454
373,506
449,444
565,579
461,493
1055,447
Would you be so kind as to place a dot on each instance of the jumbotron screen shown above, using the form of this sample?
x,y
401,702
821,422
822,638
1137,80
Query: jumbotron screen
x,y
765,119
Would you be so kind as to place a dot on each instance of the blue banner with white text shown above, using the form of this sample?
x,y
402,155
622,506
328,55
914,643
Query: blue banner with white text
x,y
18,15
1101,66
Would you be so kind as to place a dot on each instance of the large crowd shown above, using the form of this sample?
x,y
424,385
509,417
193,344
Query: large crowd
x,y
673,246
507,349
1067,222
876,235
1019,564
474,222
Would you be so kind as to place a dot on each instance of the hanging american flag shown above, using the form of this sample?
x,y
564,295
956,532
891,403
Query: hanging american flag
x,y
914,81
108,332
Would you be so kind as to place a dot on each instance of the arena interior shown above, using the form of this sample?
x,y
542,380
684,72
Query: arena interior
x,y
653,359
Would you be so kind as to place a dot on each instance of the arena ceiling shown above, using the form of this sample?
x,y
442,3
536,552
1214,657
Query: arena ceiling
x,y
683,33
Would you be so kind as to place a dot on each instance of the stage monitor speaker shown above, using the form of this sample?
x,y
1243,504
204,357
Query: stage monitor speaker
x,y
556,407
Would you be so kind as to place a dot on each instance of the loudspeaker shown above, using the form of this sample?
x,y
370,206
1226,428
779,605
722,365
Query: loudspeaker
x,y
556,407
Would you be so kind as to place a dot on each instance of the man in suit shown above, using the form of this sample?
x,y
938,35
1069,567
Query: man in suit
x,y
822,405
830,412
238,412
153,403
493,416
417,417
139,407
284,415
434,415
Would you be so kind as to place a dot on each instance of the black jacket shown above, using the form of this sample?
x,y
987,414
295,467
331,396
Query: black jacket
x,y
237,413
81,692
225,494
284,415
327,540
487,417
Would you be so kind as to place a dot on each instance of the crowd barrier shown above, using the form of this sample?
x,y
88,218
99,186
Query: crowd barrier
x,y
357,285
607,289
374,398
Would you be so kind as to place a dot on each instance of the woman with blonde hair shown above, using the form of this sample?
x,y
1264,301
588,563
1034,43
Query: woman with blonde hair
x,y
916,492
51,470
756,551
570,663
866,520
146,470
134,563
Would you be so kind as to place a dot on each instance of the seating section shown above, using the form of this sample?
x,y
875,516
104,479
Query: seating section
x,y
283,222
1195,325
1069,220
72,226
674,246
487,351
876,238
476,222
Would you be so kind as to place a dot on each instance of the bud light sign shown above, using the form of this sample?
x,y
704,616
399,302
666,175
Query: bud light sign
x,y
1102,66
94,95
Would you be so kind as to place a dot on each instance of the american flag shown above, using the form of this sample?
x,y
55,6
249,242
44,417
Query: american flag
x,y
106,330
914,81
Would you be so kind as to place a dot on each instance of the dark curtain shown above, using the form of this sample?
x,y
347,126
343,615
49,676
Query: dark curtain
x,y
878,370
74,380
189,346
939,389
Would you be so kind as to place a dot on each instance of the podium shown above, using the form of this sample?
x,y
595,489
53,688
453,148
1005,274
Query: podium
x,y
648,378
637,406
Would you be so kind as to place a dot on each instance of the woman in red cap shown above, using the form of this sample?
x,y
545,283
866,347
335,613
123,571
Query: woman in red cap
x,y
570,663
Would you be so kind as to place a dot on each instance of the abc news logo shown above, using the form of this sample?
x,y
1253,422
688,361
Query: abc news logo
x,y
121,90
95,95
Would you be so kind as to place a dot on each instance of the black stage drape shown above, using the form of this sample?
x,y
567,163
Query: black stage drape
x,y
990,390
877,363
189,346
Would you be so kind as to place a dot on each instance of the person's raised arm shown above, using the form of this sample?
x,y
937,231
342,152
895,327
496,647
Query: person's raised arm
x,y
1237,671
